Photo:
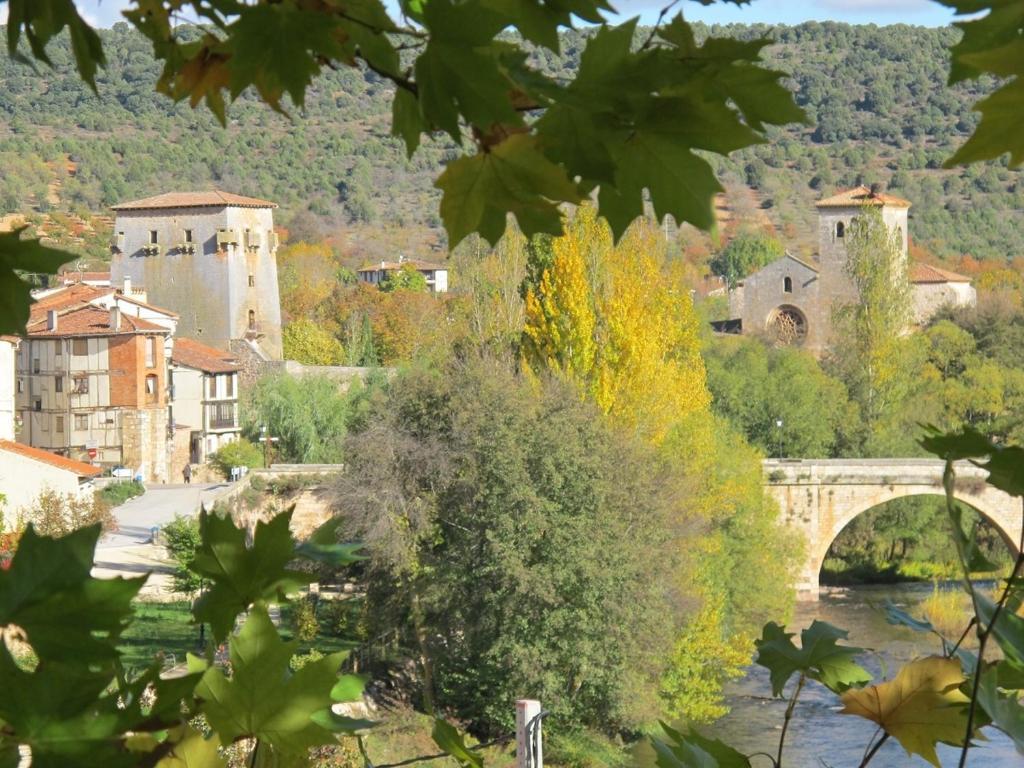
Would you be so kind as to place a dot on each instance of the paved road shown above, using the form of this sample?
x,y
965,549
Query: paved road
x,y
157,506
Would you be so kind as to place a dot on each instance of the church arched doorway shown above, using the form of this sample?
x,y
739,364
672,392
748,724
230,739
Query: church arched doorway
x,y
787,326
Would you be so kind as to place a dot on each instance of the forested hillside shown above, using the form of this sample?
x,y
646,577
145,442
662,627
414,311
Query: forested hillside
x,y
876,98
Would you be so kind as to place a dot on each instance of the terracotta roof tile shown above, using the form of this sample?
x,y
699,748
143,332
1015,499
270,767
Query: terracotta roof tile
x,y
38,454
926,273
212,198
861,196
90,321
192,354
76,295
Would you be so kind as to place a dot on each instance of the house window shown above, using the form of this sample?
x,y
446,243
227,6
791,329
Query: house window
x,y
81,421
35,365
787,285
211,387
80,347
60,424
81,385
188,235
58,383
840,229
229,381
252,281
37,404
151,351
153,237
151,388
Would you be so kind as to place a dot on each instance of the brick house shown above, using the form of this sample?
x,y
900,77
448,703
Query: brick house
x,y
436,275
91,384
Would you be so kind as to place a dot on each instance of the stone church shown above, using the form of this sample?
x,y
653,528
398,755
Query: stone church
x,y
791,300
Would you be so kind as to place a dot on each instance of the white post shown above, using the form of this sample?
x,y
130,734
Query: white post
x,y
528,744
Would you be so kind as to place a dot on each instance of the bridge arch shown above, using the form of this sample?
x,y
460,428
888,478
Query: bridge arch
x,y
818,498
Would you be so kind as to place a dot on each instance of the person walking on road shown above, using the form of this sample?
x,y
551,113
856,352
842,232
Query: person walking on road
x,y
187,474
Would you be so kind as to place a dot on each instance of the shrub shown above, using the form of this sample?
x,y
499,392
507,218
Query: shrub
x,y
117,494
304,624
54,514
240,453
181,538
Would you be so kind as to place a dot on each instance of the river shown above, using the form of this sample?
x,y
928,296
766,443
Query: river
x,y
818,736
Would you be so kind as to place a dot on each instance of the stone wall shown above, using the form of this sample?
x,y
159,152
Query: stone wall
x,y
144,436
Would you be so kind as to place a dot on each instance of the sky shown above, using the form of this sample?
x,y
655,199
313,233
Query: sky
x,y
923,12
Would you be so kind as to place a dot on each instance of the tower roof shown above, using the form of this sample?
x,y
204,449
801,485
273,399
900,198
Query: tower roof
x,y
211,199
858,196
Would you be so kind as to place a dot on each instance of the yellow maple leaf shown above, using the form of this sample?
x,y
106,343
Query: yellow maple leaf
x,y
920,707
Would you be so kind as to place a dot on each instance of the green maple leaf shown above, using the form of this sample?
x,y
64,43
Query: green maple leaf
x,y
323,546
263,698
241,576
992,43
819,657
277,48
1001,703
42,20
407,121
920,707
193,750
21,255
448,738
457,74
691,750
65,613
514,177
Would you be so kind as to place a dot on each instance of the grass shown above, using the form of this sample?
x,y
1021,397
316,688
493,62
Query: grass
x,y
166,628
948,610
159,628
116,494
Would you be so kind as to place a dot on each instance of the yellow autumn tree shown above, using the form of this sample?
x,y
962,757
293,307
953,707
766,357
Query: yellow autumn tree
x,y
618,320
560,312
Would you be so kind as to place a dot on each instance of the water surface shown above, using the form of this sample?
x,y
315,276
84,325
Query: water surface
x,y
817,735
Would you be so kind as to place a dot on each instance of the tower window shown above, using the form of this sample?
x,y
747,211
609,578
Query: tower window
x,y
787,285
153,237
252,281
252,319
188,235
840,229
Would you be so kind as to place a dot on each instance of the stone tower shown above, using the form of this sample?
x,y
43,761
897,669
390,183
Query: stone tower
x,y
210,257
834,217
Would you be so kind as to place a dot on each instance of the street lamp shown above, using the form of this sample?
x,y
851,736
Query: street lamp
x,y
778,426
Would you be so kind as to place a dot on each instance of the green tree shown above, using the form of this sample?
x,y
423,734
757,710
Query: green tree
x,y
519,541
237,453
182,540
406,278
755,386
870,349
308,415
309,342
745,253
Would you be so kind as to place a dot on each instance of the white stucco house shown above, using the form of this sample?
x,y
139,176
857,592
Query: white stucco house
x,y
25,472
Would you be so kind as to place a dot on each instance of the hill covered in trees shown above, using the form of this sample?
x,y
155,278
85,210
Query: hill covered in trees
x,y
876,98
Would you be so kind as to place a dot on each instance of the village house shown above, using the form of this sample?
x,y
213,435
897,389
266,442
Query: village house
x,y
436,275
91,381
26,471
205,383
8,407
209,256
791,300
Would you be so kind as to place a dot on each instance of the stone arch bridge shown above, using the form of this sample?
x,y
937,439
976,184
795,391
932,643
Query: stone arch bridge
x,y
820,497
